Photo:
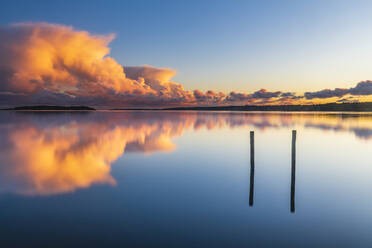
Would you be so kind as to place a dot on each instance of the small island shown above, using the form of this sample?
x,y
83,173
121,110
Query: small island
x,y
52,108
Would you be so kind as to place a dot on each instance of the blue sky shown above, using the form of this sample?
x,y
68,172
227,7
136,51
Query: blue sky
x,y
226,45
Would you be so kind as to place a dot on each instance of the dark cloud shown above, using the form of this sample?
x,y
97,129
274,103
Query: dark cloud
x,y
261,96
361,89
287,94
238,97
327,93
264,94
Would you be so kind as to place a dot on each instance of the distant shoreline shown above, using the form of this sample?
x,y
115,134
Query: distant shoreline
x,y
328,107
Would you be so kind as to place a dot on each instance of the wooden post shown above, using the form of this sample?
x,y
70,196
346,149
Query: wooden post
x,y
293,174
251,186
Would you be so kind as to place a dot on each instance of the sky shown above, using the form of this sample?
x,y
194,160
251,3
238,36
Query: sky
x,y
225,46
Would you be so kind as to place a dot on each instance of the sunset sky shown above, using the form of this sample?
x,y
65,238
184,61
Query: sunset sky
x,y
174,52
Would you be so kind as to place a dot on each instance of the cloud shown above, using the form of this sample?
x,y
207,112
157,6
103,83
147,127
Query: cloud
x,y
45,63
289,95
42,57
209,97
349,99
326,93
264,94
361,89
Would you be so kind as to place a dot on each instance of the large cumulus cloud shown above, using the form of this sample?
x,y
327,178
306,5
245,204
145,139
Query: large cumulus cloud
x,y
40,59
44,63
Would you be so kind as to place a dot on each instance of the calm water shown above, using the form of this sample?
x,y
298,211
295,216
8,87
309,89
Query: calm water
x,y
184,179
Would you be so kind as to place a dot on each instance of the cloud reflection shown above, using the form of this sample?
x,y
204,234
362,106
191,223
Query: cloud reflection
x,y
45,154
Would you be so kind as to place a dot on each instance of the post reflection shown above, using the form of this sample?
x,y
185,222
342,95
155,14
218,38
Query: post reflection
x,y
251,184
293,171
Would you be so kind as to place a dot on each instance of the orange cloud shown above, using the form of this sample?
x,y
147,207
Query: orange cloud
x,y
46,63
43,63
61,59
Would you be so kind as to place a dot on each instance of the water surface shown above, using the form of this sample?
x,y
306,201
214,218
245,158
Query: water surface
x,y
185,179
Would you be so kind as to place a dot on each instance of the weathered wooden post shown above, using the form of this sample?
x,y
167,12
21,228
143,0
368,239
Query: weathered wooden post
x,y
293,175
251,186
